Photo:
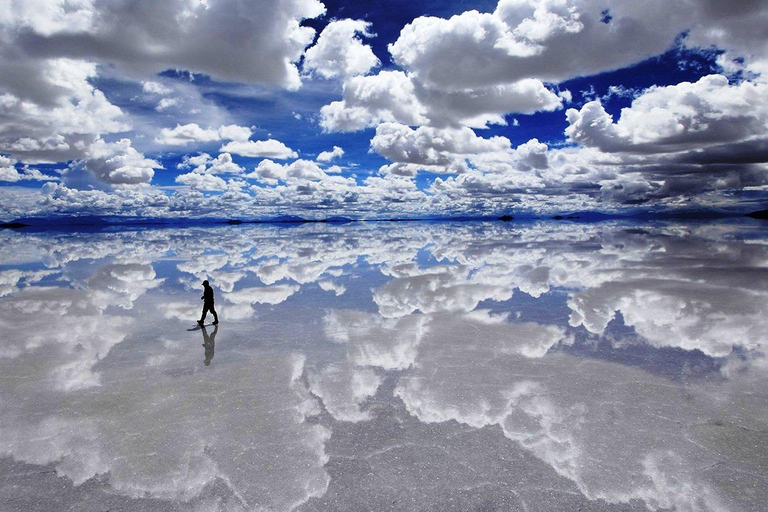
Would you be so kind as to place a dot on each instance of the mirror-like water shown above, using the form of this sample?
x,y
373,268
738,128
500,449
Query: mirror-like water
x,y
386,366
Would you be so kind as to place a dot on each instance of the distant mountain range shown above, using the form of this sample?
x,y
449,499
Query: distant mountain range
x,y
93,223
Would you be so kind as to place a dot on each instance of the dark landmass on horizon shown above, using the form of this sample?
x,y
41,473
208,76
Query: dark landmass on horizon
x,y
95,222
760,214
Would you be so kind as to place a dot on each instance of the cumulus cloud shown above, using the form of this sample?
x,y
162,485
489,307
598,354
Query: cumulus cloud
x,y
394,96
369,100
192,132
152,87
549,40
327,156
687,138
167,103
480,106
700,143
678,117
50,56
9,172
62,199
339,52
203,163
205,182
434,149
504,57
271,172
55,113
736,28
270,148
264,42
118,163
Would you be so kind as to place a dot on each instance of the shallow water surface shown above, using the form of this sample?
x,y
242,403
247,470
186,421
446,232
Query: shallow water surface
x,y
386,366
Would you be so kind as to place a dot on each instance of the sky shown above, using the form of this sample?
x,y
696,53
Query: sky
x,y
254,109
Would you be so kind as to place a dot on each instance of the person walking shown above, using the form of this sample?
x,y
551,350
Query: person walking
x,y
208,304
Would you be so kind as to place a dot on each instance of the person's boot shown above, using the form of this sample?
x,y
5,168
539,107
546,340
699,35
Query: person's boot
x,y
200,323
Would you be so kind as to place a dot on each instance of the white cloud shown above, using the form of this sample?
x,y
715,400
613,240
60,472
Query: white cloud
x,y
339,52
370,100
223,164
166,103
151,87
9,172
327,156
56,117
738,28
549,40
203,163
474,68
192,132
677,117
205,182
480,106
188,161
438,150
393,96
696,143
61,199
271,172
270,148
531,155
118,163
264,41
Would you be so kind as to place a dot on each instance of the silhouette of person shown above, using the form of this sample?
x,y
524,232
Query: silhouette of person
x,y
209,342
208,304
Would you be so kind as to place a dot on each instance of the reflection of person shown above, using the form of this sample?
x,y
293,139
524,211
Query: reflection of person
x,y
209,342
208,304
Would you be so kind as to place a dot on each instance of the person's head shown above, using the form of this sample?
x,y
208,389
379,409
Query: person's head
x,y
205,283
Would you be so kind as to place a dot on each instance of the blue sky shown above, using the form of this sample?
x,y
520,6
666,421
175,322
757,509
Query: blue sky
x,y
252,109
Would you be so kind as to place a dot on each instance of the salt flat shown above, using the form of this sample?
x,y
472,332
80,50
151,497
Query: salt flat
x,y
386,366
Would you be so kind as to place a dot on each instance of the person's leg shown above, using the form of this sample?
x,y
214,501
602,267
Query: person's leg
x,y
205,312
215,316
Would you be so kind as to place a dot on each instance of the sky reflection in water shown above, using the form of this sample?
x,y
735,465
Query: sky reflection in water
x,y
542,366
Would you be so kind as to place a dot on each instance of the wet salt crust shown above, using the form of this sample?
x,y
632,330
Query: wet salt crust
x,y
418,366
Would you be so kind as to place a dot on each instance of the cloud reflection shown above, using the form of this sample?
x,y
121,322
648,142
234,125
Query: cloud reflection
x,y
325,328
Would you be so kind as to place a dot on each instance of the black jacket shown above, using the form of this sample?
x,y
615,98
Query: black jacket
x,y
208,295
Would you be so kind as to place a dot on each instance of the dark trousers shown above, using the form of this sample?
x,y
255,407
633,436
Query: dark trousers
x,y
206,308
